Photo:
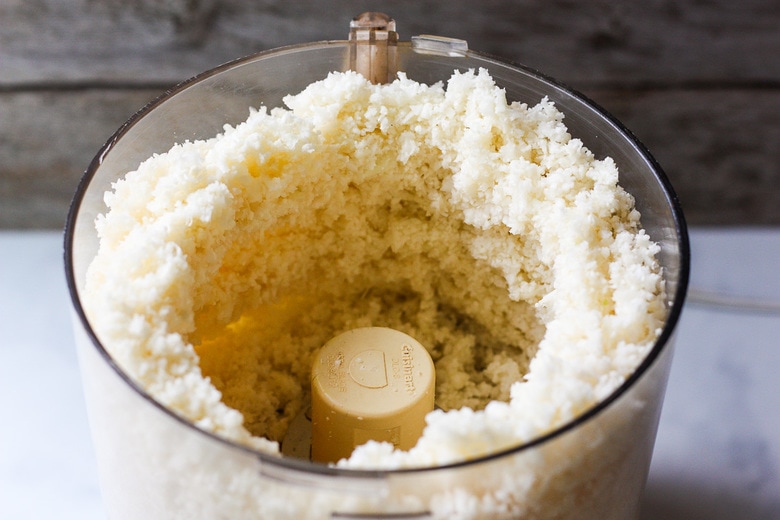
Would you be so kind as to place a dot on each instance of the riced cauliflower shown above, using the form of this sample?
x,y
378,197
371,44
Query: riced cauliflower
x,y
477,226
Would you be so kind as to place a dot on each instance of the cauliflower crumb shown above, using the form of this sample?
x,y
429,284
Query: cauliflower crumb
x,y
479,227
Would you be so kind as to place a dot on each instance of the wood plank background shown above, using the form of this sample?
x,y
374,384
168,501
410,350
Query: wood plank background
x,y
698,81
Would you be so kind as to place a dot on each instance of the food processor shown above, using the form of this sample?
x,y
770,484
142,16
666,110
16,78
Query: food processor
x,y
153,464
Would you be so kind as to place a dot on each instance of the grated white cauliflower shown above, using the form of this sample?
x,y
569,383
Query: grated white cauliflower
x,y
481,228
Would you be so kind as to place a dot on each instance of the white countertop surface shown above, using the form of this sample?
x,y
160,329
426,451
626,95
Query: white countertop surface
x,y
717,455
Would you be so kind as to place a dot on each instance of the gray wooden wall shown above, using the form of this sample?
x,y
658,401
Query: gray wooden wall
x,y
698,81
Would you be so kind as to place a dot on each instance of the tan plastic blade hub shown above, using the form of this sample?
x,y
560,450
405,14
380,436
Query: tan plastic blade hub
x,y
369,384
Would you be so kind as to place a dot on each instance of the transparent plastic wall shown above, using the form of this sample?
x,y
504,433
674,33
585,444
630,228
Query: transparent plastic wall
x,y
153,465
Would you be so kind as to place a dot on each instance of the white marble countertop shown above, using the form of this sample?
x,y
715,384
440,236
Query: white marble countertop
x,y
717,456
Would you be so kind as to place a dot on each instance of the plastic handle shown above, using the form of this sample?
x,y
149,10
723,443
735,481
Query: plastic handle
x,y
373,43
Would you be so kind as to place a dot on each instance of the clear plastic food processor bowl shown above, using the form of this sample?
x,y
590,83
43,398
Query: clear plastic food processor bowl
x,y
154,465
